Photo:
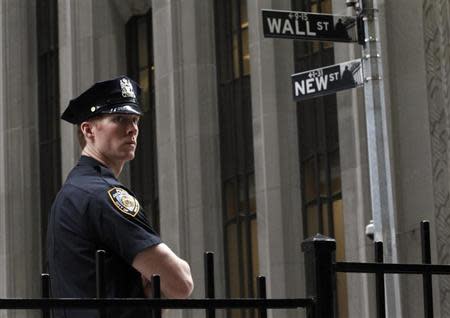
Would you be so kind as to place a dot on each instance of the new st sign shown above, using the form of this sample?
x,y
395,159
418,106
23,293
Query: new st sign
x,y
309,26
327,80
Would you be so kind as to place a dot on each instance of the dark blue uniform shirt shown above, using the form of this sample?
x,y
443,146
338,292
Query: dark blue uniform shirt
x,y
92,211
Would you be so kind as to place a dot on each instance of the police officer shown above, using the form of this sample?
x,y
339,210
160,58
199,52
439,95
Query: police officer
x,y
93,210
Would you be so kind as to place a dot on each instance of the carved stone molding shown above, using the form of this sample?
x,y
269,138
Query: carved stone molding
x,y
437,59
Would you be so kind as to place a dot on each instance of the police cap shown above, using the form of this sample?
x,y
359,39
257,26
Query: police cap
x,y
116,96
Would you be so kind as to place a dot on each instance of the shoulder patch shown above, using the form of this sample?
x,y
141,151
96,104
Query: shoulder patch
x,y
124,202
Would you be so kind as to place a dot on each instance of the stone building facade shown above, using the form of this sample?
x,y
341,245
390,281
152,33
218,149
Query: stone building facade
x,y
228,162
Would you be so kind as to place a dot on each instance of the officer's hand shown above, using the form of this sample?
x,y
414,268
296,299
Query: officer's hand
x,y
175,273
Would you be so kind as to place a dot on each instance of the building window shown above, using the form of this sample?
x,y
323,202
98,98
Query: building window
x,y
144,168
319,150
236,139
49,112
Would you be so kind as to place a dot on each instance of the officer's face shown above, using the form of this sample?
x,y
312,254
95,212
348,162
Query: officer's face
x,y
116,136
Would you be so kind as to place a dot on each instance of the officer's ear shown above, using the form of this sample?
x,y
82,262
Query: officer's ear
x,y
86,128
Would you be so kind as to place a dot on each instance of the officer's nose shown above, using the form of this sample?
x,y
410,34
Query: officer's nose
x,y
132,128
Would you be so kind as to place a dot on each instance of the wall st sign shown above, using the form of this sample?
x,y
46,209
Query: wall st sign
x,y
309,26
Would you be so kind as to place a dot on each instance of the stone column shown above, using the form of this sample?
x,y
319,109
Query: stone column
x,y
76,67
277,177
188,133
109,40
20,263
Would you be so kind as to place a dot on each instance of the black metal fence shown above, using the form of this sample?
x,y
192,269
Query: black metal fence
x,y
320,267
321,272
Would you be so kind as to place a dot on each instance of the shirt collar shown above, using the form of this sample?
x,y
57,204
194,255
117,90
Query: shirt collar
x,y
91,162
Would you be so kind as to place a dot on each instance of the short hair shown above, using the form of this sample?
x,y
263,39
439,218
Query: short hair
x,y
81,139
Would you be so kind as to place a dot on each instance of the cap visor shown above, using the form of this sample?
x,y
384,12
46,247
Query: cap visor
x,y
123,109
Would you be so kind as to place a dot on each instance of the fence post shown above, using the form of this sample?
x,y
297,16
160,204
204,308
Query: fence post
x,y
262,293
427,279
380,290
209,282
100,278
156,288
45,279
319,254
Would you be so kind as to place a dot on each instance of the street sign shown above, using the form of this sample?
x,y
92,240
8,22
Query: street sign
x,y
309,26
327,80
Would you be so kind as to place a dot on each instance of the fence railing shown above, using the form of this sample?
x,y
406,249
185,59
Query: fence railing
x,y
320,270
210,304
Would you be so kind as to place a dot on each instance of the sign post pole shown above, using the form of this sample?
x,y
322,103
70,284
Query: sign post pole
x,y
380,170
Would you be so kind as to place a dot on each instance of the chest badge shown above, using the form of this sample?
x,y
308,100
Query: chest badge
x,y
124,202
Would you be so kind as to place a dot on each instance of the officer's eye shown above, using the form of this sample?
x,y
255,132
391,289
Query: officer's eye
x,y
126,120
120,119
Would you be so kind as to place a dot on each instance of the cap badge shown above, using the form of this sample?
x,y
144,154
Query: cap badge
x,y
124,202
127,88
